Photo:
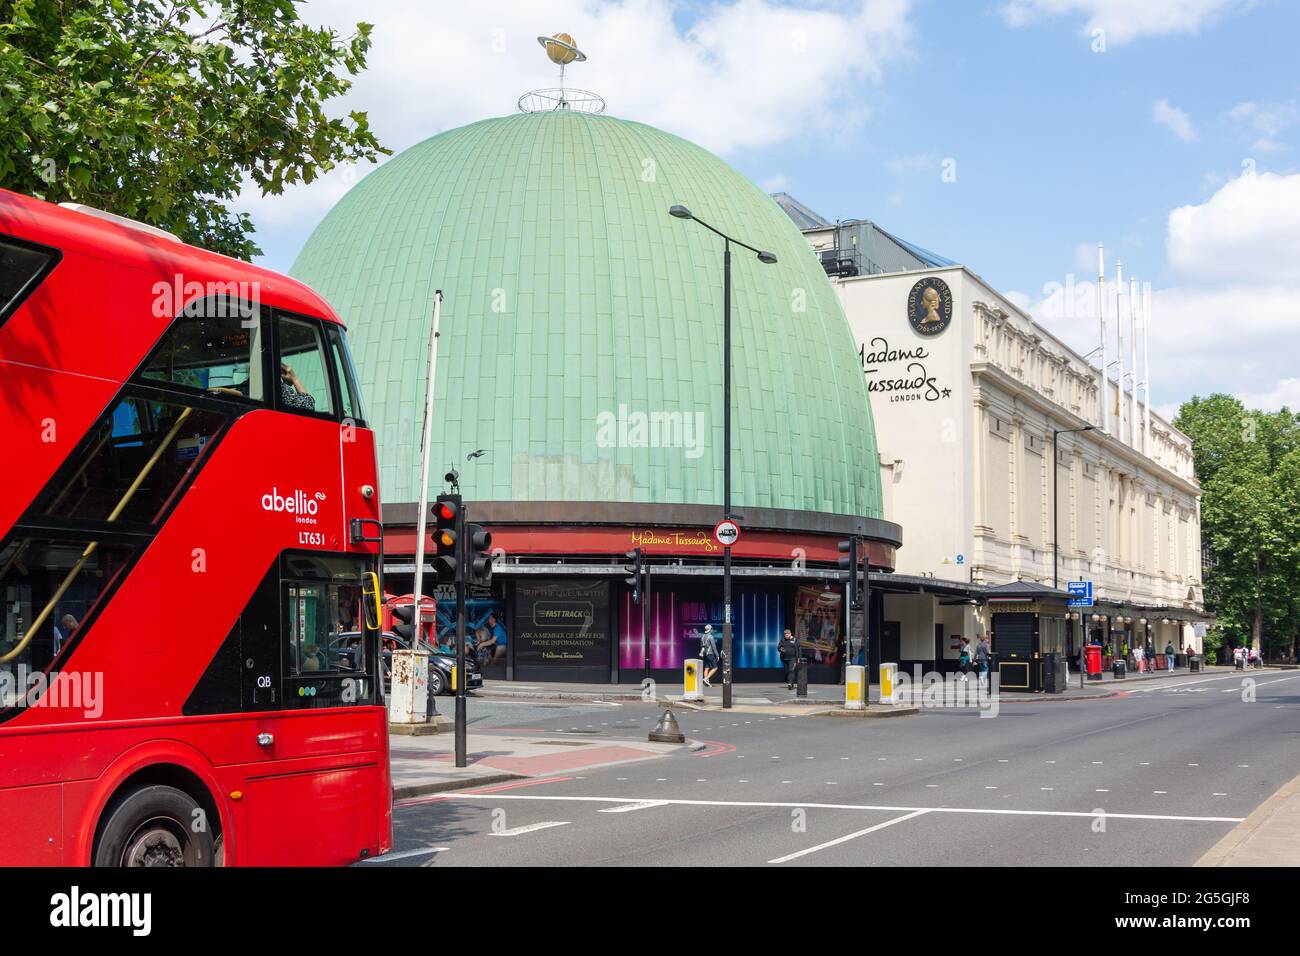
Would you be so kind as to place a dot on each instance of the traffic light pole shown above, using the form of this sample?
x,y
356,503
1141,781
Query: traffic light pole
x,y
726,472
462,548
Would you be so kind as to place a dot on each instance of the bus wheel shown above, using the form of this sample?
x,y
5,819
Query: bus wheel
x,y
154,826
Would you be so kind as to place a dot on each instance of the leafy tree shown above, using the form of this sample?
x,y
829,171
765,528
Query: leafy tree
x,y
1248,464
161,109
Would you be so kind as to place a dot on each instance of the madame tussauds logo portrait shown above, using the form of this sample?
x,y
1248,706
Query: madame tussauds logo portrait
x,y
929,306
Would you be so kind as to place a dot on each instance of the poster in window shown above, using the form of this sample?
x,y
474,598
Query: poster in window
x,y
562,624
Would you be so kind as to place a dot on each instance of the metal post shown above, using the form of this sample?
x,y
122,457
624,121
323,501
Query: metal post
x,y
422,511
726,471
462,549
645,620
1056,521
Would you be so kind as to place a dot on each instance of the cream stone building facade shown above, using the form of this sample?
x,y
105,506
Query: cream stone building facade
x,y
968,393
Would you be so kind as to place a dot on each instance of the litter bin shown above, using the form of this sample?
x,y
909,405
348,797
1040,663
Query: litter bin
x,y
1119,668
1194,663
1092,658
1054,674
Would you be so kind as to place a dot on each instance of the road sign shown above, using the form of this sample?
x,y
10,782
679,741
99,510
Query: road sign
x,y
1081,592
727,533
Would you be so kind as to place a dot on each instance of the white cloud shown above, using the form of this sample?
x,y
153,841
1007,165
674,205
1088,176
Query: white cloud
x,y
1125,20
1230,321
1173,119
777,183
1266,120
1286,392
742,76
1248,231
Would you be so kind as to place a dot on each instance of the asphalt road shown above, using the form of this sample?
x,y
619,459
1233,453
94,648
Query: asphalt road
x,y
1155,777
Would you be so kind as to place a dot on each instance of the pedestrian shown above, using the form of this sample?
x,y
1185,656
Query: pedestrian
x,y
963,660
709,653
982,658
1238,658
788,648
1169,655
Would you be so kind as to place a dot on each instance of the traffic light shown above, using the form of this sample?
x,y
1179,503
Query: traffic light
x,y
479,557
849,568
405,629
633,580
446,533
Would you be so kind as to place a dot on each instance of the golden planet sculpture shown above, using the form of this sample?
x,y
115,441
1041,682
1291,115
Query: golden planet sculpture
x,y
562,49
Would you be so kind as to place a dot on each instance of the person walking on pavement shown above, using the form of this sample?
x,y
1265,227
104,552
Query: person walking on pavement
x,y
788,648
709,654
963,660
1169,654
982,659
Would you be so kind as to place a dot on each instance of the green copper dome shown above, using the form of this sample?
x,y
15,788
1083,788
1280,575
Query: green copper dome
x,y
581,336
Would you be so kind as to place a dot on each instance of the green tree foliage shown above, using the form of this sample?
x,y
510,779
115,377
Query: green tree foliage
x,y
1248,464
161,110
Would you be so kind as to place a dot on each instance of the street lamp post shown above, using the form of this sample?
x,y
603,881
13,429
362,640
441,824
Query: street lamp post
x,y
1056,534
681,212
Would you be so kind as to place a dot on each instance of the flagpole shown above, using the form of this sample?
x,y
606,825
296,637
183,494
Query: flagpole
x,y
1104,390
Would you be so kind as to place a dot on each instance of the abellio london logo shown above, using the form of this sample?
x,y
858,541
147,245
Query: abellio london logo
x,y
296,502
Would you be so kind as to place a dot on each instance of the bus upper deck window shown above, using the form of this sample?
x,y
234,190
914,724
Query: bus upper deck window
x,y
22,266
214,346
304,376
347,376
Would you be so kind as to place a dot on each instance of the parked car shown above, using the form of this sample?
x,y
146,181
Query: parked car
x,y
345,647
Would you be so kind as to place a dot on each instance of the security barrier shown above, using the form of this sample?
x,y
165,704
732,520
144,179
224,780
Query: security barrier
x,y
693,679
855,687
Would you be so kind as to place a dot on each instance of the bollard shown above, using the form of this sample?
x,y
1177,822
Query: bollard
x,y
667,731
693,679
889,683
855,687
801,677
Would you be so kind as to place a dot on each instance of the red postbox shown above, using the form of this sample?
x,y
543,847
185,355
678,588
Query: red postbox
x,y
1092,657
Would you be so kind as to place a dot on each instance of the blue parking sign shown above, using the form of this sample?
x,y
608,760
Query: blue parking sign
x,y
1081,593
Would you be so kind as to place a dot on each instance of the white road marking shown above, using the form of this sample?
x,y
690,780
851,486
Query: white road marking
x,y
1045,788
1218,794
990,788
457,795
1103,791
846,838
1193,765
629,807
517,831
1160,792
423,851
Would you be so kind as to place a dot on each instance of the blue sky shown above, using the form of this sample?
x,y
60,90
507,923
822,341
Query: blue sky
x,y
853,107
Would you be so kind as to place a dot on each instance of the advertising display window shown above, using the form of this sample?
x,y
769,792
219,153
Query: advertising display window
x,y
562,625
487,639
818,622
676,617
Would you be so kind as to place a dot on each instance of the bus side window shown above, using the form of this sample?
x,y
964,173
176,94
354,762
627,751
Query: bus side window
x,y
304,376
214,346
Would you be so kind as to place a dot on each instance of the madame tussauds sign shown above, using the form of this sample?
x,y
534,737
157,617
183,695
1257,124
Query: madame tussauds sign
x,y
900,373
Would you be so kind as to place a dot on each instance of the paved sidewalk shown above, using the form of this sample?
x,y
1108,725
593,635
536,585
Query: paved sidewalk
x,y
423,765
1268,837
819,695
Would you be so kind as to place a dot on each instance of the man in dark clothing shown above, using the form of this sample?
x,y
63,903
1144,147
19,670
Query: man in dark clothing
x,y
788,648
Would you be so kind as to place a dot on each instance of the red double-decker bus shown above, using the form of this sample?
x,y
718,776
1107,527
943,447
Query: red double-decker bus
x,y
187,485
